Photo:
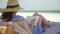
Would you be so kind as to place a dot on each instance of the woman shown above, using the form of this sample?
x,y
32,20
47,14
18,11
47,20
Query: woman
x,y
42,20
39,28
9,15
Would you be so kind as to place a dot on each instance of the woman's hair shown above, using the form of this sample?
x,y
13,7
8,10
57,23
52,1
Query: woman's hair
x,y
7,16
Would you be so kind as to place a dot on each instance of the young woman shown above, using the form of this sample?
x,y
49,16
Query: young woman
x,y
38,28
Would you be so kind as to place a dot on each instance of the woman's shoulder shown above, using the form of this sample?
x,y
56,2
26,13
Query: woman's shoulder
x,y
18,18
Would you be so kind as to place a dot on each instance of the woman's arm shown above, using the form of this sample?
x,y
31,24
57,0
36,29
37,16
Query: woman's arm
x,y
19,29
44,21
24,25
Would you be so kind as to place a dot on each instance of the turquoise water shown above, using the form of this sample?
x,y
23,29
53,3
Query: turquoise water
x,y
42,11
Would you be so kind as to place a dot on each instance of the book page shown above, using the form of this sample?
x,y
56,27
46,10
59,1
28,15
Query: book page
x,y
29,18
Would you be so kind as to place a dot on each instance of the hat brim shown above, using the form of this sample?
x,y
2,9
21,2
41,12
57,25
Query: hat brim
x,y
12,9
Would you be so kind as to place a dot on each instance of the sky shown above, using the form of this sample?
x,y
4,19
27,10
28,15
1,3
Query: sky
x,y
35,4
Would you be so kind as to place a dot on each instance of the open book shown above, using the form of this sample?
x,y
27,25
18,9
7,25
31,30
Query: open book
x,y
29,18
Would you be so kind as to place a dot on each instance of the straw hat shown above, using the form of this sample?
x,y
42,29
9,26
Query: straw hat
x,y
12,6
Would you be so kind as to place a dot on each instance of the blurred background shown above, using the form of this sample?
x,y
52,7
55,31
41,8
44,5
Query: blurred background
x,y
50,9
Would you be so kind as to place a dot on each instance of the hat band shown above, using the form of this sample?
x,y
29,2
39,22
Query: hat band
x,y
13,6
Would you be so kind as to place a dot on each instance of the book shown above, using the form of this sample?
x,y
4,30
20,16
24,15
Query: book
x,y
29,18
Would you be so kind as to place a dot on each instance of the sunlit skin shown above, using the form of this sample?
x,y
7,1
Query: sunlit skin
x,y
42,20
32,24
